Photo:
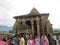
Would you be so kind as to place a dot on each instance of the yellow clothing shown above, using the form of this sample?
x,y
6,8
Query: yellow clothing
x,y
22,41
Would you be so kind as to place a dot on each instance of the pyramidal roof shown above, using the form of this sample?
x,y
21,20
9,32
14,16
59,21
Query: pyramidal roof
x,y
34,12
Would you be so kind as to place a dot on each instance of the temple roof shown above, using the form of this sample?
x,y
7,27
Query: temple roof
x,y
33,13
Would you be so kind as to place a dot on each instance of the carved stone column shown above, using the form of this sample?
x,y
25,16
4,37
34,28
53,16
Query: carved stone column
x,y
16,25
32,26
37,22
15,28
23,20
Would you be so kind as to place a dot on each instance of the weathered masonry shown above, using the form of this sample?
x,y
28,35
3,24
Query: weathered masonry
x,y
33,23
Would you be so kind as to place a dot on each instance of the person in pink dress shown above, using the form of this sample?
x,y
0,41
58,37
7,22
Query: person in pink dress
x,y
44,40
30,41
2,42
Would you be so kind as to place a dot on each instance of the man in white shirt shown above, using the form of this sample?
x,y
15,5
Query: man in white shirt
x,y
54,38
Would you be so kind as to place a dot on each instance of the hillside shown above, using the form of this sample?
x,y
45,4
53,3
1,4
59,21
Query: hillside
x,y
5,28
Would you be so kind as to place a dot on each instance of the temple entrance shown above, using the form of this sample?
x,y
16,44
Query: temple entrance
x,y
35,28
28,23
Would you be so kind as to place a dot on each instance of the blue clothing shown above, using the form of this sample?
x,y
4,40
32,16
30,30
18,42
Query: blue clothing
x,y
15,41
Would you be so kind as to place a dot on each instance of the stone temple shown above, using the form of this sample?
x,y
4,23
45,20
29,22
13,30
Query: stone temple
x,y
33,23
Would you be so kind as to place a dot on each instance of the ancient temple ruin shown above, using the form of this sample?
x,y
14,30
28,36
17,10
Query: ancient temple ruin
x,y
33,23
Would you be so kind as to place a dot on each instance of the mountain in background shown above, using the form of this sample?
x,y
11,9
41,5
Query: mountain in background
x,y
54,29
5,28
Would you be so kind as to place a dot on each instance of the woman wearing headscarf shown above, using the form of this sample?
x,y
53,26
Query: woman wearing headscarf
x,y
22,40
2,42
30,41
44,40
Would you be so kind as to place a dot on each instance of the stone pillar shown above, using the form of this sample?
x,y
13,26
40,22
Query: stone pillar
x,y
32,26
23,20
15,28
38,29
16,25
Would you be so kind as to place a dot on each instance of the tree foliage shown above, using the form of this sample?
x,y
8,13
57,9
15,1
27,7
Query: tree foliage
x,y
10,31
58,31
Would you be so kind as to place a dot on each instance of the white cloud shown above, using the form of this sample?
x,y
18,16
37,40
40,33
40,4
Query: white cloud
x,y
11,8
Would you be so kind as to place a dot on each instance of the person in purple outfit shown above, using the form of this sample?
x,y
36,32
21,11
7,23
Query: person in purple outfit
x,y
44,40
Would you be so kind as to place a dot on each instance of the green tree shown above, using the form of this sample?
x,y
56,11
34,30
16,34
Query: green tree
x,y
58,31
10,31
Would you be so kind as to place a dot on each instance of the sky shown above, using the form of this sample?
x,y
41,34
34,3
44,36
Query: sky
x,y
11,8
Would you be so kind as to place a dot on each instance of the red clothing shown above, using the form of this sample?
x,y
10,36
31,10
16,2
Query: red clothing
x,y
30,42
3,43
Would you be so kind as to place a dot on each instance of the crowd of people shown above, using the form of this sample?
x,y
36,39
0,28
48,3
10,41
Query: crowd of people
x,y
22,40
56,39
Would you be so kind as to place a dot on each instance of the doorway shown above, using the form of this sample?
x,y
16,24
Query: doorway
x,y
28,23
35,28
